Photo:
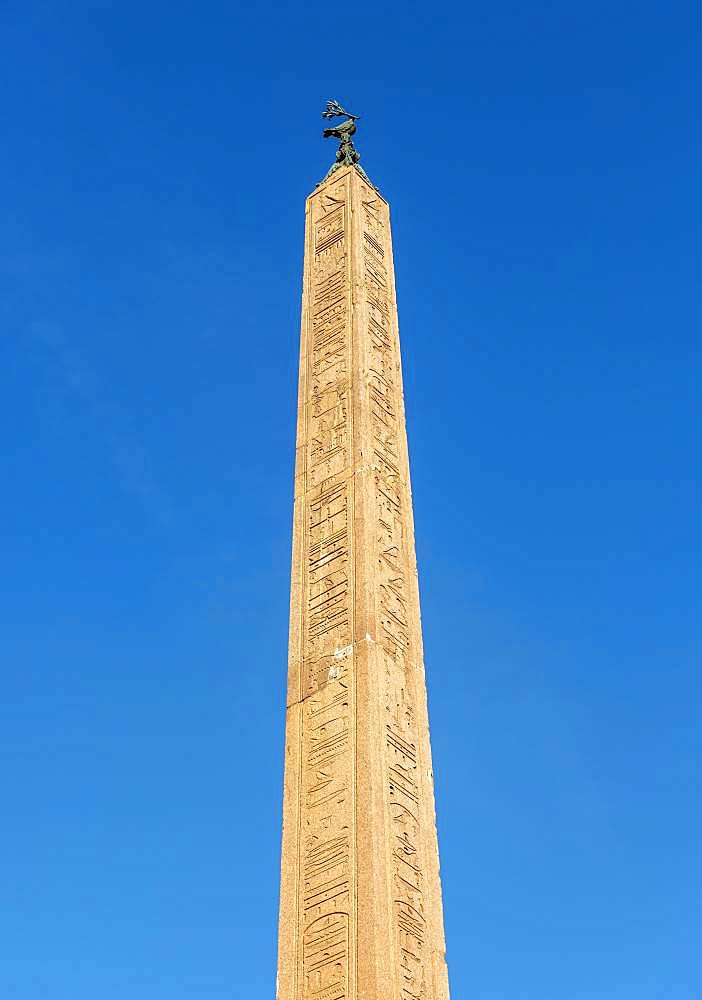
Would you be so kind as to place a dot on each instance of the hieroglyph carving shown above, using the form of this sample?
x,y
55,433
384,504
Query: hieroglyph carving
x,y
327,868
394,562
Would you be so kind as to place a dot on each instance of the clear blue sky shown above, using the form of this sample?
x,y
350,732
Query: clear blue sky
x,y
543,165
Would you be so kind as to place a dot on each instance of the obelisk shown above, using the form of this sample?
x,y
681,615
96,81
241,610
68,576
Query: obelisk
x,y
360,908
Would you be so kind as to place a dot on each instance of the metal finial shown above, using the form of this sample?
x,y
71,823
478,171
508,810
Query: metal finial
x,y
346,155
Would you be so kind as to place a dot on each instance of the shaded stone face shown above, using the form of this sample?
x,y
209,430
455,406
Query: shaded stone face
x,y
360,911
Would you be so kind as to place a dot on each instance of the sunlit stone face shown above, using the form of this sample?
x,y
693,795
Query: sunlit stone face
x,y
361,911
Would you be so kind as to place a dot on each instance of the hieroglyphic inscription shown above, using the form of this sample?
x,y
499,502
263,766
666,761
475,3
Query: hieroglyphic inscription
x,y
326,949
325,890
327,569
393,559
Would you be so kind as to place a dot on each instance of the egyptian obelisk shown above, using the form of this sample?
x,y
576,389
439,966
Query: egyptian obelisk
x,y
360,908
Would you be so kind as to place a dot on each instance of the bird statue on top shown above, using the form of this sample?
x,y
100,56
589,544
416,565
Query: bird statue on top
x,y
346,155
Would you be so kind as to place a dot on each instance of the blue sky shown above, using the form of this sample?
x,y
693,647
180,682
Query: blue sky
x,y
543,166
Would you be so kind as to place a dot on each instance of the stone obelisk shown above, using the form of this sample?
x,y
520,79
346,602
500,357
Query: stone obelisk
x,y
360,908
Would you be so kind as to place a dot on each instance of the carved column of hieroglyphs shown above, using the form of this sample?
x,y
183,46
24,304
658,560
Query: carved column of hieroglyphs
x,y
361,915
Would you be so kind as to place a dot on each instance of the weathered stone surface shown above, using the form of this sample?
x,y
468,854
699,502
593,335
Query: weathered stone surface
x,y
360,907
